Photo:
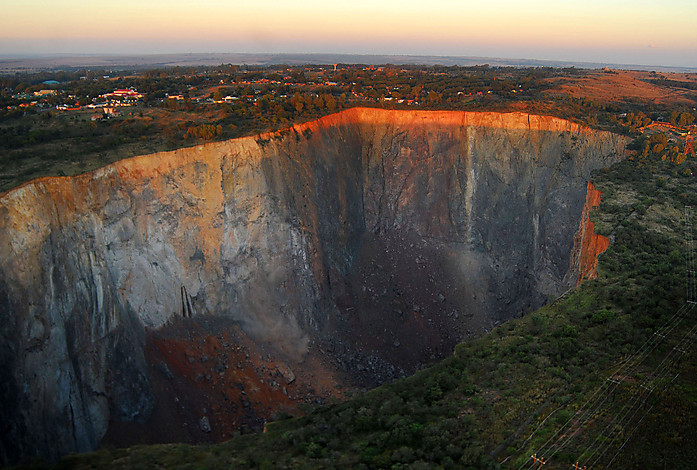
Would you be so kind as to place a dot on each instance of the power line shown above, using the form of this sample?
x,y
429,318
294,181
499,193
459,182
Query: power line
x,y
588,410
661,372
628,367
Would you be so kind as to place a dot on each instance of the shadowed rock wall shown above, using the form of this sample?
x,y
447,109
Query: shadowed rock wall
x,y
384,236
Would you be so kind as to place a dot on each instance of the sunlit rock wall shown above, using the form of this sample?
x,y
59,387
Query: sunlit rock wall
x,y
393,234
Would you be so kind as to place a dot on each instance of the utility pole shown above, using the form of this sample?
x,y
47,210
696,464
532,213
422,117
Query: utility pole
x,y
688,145
537,459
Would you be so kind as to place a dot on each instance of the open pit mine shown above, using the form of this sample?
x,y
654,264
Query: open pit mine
x,y
189,295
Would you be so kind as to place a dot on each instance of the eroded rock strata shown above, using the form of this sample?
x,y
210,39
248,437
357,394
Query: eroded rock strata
x,y
588,245
378,238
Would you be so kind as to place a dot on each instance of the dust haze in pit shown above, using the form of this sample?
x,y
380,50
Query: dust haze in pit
x,y
268,323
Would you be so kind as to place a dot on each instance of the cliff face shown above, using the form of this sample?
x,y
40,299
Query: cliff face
x,y
384,236
588,245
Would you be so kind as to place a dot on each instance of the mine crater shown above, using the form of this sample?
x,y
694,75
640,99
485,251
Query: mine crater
x,y
344,253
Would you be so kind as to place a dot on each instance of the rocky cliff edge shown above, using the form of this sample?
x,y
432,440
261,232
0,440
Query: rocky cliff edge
x,y
386,235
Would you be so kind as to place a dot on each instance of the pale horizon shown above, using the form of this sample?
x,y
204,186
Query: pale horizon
x,y
619,32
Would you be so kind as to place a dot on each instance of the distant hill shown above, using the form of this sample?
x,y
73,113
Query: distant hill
x,y
30,63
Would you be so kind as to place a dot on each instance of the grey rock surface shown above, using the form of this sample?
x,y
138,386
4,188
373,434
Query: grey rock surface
x,y
330,232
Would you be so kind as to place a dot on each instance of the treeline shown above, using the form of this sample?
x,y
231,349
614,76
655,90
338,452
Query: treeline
x,y
228,101
673,83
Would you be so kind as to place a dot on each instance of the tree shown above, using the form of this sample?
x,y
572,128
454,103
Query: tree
x,y
297,102
330,103
685,119
204,131
433,98
658,143
674,117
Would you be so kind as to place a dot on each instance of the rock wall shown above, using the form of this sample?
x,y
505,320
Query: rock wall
x,y
385,236
588,245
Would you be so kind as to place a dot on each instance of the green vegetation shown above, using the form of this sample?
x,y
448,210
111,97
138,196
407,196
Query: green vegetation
x,y
478,408
501,397
185,106
674,83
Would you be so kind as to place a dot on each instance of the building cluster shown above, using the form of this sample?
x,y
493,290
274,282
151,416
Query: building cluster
x,y
123,95
119,97
663,126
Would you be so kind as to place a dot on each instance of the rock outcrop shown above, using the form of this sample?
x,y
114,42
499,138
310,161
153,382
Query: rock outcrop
x,y
588,245
383,236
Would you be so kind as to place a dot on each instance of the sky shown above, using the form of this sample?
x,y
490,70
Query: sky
x,y
644,32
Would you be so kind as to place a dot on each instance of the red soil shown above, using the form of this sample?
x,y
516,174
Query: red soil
x,y
224,376
624,85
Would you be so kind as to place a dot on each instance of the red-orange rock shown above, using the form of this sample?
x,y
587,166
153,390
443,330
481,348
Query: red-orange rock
x,y
591,244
